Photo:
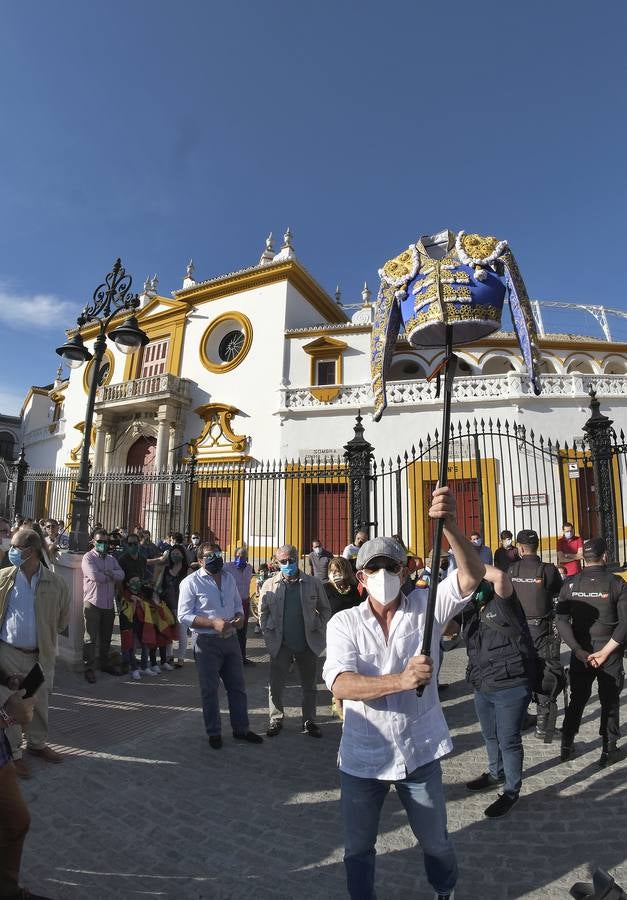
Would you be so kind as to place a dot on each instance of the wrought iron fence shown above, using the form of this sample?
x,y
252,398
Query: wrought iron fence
x,y
503,476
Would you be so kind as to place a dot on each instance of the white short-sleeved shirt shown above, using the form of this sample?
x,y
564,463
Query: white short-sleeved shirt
x,y
391,736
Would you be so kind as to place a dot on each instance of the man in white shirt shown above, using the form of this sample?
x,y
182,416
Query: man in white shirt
x,y
350,551
390,735
210,604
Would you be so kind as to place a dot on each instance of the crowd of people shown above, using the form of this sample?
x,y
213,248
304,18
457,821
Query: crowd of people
x,y
364,611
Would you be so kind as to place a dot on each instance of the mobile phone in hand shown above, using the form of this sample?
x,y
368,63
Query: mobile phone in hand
x,y
33,680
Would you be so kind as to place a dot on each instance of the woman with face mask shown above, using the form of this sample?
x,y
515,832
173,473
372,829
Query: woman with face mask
x,y
341,588
173,568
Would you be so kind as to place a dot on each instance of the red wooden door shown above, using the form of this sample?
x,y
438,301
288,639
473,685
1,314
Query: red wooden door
x,y
466,491
140,459
325,516
215,515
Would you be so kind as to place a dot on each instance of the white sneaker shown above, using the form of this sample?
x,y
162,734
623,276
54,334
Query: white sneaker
x,y
156,670
450,896
136,675
150,671
167,667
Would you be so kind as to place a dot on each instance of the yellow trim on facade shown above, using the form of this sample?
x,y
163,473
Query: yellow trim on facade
x,y
322,350
167,324
236,504
291,271
324,332
108,357
217,418
247,328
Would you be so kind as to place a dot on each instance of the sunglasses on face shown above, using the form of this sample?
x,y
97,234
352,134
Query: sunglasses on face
x,y
392,568
217,554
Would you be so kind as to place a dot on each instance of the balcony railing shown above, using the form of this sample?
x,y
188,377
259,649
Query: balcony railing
x,y
149,388
512,386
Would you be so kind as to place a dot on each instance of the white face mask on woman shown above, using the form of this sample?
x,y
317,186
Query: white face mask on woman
x,y
383,586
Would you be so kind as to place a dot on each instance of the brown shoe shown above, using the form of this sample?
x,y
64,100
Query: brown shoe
x,y
47,754
90,676
22,769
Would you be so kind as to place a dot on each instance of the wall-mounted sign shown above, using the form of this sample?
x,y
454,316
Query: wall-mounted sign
x,y
573,470
531,499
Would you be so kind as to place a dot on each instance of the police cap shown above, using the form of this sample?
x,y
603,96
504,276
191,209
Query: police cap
x,y
527,536
594,548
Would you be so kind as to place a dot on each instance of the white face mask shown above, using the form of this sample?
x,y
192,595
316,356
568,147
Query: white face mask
x,y
568,535
476,542
335,577
318,550
507,543
383,586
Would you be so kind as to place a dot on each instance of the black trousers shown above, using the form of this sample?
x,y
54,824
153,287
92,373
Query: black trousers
x,y
610,679
99,628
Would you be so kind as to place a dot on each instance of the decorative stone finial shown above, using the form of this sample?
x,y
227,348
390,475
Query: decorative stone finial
x,y
188,281
154,283
338,295
268,254
286,251
366,295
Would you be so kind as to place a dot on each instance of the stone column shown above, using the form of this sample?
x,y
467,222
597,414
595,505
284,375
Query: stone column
x,y
164,417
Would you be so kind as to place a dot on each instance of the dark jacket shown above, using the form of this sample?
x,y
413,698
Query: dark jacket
x,y
499,646
592,608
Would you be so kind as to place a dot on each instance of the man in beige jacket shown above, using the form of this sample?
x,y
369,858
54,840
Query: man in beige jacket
x,y
293,620
34,608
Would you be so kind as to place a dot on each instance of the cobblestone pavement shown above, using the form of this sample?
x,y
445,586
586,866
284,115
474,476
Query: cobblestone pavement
x,y
142,807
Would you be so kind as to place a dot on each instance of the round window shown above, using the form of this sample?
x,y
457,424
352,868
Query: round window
x,y
231,345
226,342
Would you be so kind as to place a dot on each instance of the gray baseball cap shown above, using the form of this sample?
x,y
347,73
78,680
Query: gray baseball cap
x,y
381,546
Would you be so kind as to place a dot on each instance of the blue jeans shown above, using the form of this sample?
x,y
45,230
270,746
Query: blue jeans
x,y
422,796
501,715
221,658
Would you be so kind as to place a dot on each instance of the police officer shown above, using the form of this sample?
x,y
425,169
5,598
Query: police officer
x,y
537,584
592,620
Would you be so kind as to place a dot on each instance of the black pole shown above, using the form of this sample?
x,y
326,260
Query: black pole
x,y
449,375
21,468
79,533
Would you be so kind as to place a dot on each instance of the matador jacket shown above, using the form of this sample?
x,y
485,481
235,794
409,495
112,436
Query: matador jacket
x,y
446,279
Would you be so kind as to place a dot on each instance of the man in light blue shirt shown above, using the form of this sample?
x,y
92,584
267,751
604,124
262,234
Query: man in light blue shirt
x,y
210,604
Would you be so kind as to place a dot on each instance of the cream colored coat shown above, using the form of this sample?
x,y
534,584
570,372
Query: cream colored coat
x,y
52,612
316,612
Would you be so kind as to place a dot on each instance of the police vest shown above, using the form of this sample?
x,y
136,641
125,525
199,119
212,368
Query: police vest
x,y
590,607
531,590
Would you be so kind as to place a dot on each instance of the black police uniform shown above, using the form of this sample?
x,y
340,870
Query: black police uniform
x,y
592,608
536,585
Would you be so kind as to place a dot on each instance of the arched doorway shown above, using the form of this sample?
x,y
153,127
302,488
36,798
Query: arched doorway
x,y
140,461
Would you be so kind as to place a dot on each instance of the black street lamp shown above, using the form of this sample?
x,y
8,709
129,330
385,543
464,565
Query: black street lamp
x,y
109,298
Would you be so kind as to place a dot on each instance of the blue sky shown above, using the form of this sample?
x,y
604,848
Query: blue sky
x,y
159,131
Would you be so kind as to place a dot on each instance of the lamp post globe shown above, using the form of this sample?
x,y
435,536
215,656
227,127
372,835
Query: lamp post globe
x,y
74,352
128,336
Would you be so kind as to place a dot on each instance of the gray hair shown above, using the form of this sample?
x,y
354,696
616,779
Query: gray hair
x,y
290,549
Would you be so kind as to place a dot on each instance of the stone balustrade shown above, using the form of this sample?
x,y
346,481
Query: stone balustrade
x,y
513,386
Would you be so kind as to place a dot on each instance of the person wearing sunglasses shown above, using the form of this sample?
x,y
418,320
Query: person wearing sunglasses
x,y
210,604
390,734
294,611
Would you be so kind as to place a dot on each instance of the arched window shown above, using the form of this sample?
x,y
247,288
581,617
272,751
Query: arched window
x,y
584,366
547,366
497,365
615,367
7,446
407,369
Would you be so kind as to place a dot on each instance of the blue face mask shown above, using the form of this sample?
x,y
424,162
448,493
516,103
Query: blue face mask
x,y
289,569
241,562
16,558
